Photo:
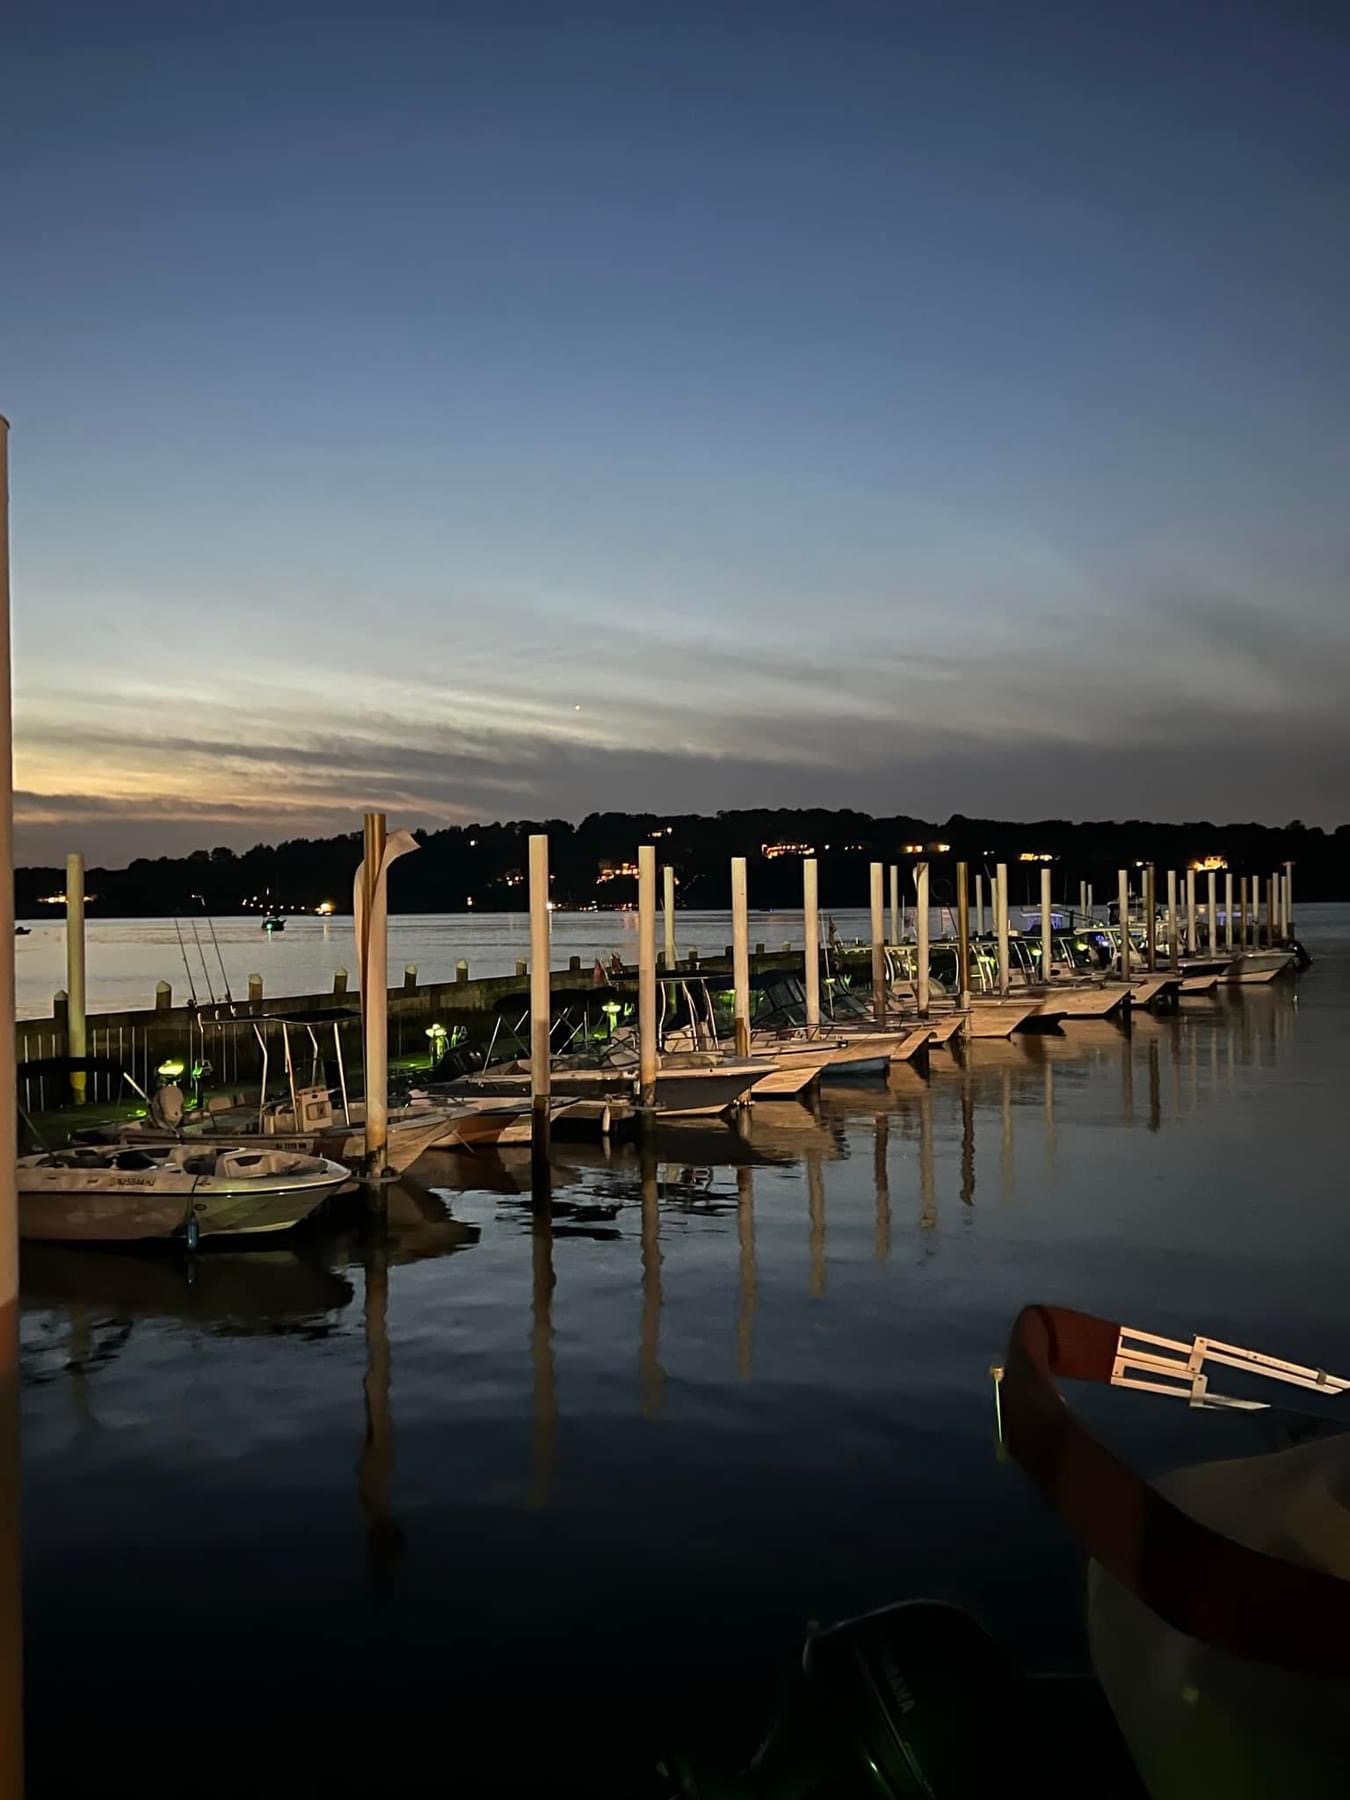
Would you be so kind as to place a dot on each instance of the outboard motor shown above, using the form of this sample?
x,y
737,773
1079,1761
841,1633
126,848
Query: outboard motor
x,y
167,1107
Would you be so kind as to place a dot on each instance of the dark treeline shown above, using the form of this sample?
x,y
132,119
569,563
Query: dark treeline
x,y
482,866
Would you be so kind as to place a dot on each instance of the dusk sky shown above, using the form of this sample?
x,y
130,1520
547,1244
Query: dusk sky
x,y
495,410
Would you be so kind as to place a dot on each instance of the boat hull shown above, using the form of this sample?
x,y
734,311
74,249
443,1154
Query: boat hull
x,y
63,1209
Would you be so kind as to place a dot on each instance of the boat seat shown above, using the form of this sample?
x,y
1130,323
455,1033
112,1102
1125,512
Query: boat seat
x,y
133,1159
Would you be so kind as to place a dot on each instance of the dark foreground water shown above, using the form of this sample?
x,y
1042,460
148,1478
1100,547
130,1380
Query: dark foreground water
x,y
489,1507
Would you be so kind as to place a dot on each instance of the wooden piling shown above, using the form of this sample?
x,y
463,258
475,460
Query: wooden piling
x,y
649,1059
668,914
77,1038
1213,911
1272,920
409,976
1288,901
541,1016
979,904
375,996
1173,921
1192,935
811,939
895,903
878,947
1150,918
340,979
921,927
1123,910
1242,912
255,987
1047,934
740,955
11,1609
963,934
1228,911
163,997
1001,927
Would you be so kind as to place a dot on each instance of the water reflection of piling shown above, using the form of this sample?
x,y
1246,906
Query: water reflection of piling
x,y
374,1475
1154,1087
651,1376
1048,1100
544,1407
1127,1079
746,1296
815,1201
967,1142
1007,1184
881,1144
928,1216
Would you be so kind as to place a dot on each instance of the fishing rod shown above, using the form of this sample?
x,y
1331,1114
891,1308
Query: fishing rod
x,y
187,967
206,973
229,997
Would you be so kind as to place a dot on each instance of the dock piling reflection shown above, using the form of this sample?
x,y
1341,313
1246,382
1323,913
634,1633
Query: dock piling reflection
x,y
651,1376
747,1298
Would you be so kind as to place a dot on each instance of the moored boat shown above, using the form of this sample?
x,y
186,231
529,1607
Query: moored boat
x,y
120,1193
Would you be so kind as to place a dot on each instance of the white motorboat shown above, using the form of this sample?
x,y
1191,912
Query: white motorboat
x,y
124,1192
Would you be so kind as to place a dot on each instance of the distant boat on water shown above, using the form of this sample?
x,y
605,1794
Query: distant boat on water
x,y
272,924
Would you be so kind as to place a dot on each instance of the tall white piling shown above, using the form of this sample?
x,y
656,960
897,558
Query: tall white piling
x,y
811,940
375,995
1288,899
541,1012
77,1039
963,934
1123,910
1001,927
740,954
1173,921
1228,911
1242,912
11,1611
1083,916
1150,918
649,1059
1047,933
878,947
895,904
668,910
979,904
921,925
1213,910
1192,939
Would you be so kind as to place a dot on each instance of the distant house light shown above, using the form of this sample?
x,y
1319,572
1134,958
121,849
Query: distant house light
x,y
625,871
1040,856
770,851
912,849
326,908
515,878
942,849
1206,863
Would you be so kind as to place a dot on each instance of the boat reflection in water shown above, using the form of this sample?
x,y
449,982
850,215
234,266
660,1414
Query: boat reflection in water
x,y
678,1402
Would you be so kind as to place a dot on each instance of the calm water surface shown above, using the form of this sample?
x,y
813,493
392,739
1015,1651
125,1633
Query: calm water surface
x,y
495,1507
127,957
